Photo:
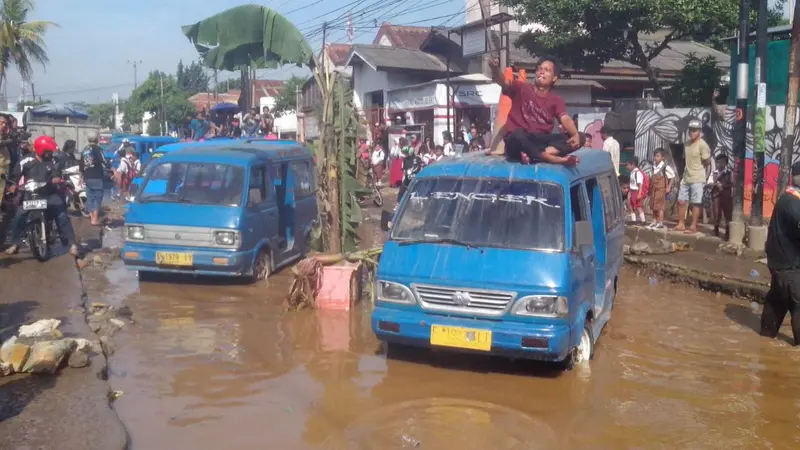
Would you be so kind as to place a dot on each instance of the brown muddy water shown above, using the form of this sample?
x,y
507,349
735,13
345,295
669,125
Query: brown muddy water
x,y
207,366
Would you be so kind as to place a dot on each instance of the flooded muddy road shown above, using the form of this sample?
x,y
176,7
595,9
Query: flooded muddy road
x,y
210,366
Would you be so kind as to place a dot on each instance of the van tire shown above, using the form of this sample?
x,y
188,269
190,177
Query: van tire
x,y
262,266
585,350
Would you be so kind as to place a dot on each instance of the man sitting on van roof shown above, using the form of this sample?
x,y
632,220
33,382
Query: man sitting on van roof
x,y
528,131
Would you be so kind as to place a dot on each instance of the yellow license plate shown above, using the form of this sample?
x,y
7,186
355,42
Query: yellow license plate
x,y
174,259
468,338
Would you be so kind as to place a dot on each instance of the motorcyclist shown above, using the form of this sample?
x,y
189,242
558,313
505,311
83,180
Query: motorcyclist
x,y
42,174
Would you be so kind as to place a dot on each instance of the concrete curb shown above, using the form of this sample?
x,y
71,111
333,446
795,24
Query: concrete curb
x,y
707,280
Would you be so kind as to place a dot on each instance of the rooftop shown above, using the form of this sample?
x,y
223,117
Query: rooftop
x,y
397,58
402,35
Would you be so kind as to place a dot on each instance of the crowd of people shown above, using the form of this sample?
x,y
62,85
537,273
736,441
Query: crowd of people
x,y
704,191
205,125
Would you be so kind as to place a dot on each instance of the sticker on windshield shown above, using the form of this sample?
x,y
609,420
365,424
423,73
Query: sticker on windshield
x,y
478,196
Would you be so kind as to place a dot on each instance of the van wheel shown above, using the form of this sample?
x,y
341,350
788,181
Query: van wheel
x,y
262,267
585,349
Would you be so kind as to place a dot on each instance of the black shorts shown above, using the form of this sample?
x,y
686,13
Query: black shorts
x,y
520,141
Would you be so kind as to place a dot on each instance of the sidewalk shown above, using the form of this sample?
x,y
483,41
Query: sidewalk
x,y
69,410
706,266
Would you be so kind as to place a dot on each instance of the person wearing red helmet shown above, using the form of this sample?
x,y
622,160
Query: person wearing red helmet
x,y
41,174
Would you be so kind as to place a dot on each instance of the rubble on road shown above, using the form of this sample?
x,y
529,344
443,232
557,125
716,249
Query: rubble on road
x,y
42,349
661,247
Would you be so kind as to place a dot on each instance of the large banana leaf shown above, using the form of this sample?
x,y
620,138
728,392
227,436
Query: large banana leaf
x,y
248,36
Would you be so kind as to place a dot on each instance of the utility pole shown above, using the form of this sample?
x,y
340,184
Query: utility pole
x,y
323,56
757,234
163,119
135,75
790,122
740,126
759,120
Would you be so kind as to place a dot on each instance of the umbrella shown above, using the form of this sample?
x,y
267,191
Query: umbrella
x,y
56,110
226,107
248,36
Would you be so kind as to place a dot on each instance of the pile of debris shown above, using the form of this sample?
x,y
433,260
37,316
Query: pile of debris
x,y
661,247
41,348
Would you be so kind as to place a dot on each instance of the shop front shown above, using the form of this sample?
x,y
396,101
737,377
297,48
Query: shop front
x,y
473,102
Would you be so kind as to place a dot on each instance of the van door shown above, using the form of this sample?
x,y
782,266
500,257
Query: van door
x,y
583,256
614,231
305,213
261,218
597,215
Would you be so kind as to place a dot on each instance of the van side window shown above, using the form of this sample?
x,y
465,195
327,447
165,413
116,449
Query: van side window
x,y
612,200
303,181
591,184
257,191
576,199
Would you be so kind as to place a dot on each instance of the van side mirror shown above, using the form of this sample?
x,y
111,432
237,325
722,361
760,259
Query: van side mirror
x,y
583,234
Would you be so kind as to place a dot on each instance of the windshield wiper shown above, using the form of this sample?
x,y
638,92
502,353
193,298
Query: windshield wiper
x,y
437,241
170,198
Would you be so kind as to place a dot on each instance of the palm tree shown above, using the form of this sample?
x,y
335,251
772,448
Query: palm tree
x,y
21,41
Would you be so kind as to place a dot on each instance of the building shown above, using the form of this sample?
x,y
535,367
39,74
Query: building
x,y
336,56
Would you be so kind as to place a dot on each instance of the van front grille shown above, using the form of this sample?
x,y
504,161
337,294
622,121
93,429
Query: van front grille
x,y
463,300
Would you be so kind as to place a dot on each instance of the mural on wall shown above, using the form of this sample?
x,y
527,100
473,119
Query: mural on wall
x,y
659,128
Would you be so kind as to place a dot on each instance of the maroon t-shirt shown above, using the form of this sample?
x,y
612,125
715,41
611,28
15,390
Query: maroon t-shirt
x,y
531,111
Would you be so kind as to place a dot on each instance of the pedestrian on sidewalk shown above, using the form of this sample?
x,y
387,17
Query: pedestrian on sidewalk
x,y
698,157
783,260
722,196
638,190
663,175
610,145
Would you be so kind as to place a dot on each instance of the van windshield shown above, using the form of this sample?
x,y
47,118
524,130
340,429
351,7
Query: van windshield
x,y
483,213
196,183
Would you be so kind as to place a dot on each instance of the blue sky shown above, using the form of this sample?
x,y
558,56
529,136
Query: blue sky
x,y
90,50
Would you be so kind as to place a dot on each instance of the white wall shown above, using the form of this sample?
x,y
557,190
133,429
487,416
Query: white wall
x,y
575,95
473,14
366,80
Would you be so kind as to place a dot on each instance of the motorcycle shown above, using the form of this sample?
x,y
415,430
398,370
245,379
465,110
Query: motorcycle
x,y
39,231
374,194
76,190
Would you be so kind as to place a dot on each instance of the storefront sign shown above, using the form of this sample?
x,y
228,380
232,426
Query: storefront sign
x,y
412,98
478,94
473,41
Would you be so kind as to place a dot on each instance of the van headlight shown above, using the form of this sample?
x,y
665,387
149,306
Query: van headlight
x,y
226,238
541,306
134,233
386,291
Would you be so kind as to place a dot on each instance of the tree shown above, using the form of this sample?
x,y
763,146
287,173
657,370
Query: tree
x,y
153,127
25,103
287,98
586,34
192,79
21,41
696,84
147,98
229,84
102,114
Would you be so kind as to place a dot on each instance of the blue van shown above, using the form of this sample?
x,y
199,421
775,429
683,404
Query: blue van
x,y
496,257
227,209
144,145
164,149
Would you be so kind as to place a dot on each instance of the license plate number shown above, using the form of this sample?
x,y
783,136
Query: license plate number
x,y
29,205
457,337
174,259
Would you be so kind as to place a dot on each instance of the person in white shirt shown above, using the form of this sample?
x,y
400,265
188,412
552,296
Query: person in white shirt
x,y
661,185
129,168
610,145
637,193
378,159
448,148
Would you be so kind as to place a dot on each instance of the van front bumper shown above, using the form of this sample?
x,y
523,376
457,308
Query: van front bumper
x,y
512,339
206,261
